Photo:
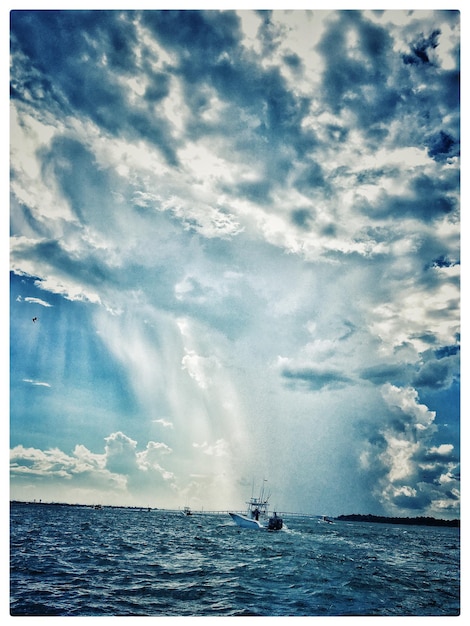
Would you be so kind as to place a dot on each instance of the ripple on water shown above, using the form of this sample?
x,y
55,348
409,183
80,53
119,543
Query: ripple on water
x,y
77,561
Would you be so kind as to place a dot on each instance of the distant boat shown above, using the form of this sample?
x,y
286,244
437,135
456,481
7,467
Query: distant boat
x,y
257,516
97,507
187,511
325,520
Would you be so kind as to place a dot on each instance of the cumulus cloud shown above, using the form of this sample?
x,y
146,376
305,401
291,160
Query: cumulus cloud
x,y
409,471
114,474
406,401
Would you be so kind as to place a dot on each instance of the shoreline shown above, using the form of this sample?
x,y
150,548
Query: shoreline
x,y
355,517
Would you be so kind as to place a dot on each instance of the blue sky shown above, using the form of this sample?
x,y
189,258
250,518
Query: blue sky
x,y
240,235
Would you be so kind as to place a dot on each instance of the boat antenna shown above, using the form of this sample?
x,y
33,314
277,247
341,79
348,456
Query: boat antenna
x,y
261,495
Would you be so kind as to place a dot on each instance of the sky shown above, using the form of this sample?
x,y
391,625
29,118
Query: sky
x,y
235,259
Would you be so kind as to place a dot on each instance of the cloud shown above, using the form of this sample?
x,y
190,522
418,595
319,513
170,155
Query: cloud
x,y
36,383
219,448
149,459
406,400
200,368
437,374
165,423
422,50
358,70
121,475
109,107
121,454
314,378
198,192
34,301
443,147
380,374
410,472
26,463
115,474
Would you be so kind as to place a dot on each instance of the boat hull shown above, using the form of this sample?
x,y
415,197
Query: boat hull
x,y
246,522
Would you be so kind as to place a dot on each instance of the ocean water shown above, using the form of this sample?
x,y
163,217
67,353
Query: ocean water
x,y
77,561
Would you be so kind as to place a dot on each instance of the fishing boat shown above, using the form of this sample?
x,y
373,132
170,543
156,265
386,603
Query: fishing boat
x,y
187,511
257,516
246,522
326,520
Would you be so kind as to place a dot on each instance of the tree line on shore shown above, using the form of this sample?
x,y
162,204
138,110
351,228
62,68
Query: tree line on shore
x,y
411,521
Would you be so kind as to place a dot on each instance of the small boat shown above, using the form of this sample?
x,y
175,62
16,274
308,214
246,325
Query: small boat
x,y
187,511
325,520
275,522
257,516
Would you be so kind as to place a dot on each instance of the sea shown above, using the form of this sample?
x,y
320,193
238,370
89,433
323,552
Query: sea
x,y
81,561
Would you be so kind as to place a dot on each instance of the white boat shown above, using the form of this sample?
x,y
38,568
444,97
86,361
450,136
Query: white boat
x,y
257,516
246,522
187,511
325,520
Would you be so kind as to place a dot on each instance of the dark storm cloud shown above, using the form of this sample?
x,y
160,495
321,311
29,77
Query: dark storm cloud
x,y
293,61
302,218
443,146
314,379
447,351
207,51
359,83
199,36
77,60
380,374
443,261
218,60
310,177
376,84
419,50
413,502
437,373
425,199
87,270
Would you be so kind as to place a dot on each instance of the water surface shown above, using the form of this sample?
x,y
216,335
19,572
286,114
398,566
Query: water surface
x,y
68,560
